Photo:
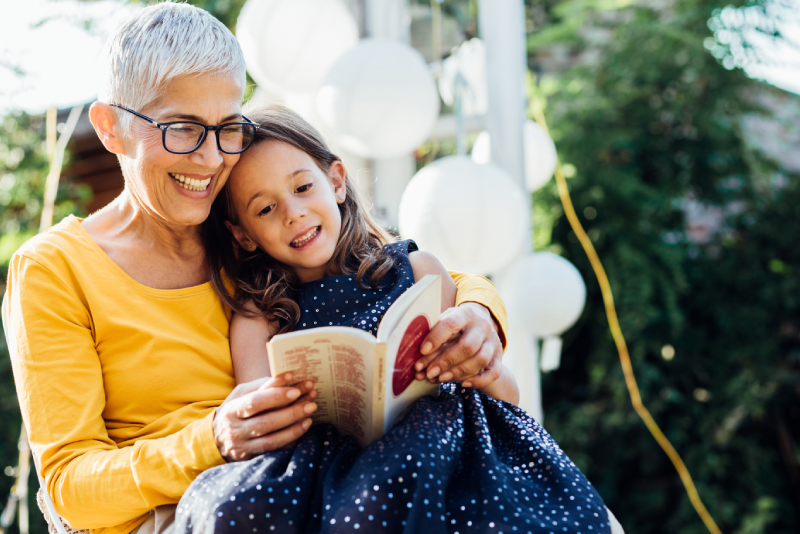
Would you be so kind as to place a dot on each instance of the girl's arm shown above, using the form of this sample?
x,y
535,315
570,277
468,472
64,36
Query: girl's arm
x,y
424,263
249,336
505,387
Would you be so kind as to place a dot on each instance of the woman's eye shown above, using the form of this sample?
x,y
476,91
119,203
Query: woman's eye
x,y
265,211
303,188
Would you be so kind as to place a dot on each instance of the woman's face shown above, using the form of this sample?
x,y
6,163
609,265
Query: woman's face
x,y
154,175
288,206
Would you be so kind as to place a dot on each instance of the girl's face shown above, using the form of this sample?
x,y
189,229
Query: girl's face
x,y
287,206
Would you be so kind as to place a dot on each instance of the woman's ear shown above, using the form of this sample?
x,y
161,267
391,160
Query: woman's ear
x,y
337,175
238,234
104,120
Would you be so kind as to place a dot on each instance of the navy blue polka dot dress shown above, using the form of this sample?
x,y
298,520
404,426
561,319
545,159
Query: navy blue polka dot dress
x,y
462,462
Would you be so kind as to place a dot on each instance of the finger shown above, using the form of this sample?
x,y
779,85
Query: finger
x,y
467,345
248,387
485,377
308,397
275,420
283,379
276,440
450,323
264,399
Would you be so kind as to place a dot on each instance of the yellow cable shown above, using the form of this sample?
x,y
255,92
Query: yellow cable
x,y
622,347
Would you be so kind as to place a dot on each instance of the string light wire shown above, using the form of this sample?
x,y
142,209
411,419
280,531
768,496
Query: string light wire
x,y
619,340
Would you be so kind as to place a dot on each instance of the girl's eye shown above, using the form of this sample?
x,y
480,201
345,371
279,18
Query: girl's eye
x,y
265,211
303,188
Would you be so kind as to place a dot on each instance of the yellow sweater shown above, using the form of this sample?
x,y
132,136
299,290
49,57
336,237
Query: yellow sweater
x,y
118,382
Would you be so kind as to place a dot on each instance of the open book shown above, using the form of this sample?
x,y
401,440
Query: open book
x,y
364,383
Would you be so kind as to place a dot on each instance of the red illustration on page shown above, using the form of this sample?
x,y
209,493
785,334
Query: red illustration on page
x,y
408,353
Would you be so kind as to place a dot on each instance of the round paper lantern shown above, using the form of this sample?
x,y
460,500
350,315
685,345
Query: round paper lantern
x,y
471,217
470,62
293,43
544,293
481,150
540,156
380,99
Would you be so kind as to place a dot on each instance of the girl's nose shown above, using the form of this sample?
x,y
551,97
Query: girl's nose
x,y
294,209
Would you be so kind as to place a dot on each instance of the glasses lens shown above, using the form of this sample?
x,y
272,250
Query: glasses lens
x,y
183,136
236,137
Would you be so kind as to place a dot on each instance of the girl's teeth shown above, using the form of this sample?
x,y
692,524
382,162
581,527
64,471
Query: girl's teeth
x,y
190,183
297,243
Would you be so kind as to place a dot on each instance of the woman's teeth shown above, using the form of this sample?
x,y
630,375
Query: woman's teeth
x,y
190,183
302,240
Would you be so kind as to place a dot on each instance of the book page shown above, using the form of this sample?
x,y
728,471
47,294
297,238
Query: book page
x,y
340,362
416,313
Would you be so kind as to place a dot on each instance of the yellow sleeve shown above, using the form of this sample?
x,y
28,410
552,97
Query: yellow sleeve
x,y
474,288
59,381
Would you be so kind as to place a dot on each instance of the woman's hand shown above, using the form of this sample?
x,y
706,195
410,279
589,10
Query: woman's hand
x,y
463,346
262,416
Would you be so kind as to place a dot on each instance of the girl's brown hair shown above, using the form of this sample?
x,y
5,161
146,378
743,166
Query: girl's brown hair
x,y
255,276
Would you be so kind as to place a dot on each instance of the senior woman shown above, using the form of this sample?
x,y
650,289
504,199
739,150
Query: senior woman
x,y
122,363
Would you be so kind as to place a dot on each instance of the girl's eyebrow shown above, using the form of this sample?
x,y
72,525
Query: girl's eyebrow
x,y
260,193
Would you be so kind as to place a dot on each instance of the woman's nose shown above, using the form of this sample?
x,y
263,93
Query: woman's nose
x,y
208,153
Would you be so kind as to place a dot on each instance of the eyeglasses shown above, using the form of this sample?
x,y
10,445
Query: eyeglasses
x,y
184,137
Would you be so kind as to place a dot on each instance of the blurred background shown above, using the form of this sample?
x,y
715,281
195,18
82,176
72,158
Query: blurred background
x,y
677,125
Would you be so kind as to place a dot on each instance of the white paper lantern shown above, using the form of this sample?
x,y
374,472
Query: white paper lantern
x,y
470,61
482,149
471,217
540,156
380,99
544,293
293,43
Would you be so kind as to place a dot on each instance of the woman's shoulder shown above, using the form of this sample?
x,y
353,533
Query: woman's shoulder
x,y
62,244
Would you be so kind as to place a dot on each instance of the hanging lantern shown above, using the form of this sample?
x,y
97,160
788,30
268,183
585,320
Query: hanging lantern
x,y
470,62
471,217
481,150
293,43
540,156
546,293
380,99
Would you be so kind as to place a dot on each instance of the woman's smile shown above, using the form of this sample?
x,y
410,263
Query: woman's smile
x,y
192,182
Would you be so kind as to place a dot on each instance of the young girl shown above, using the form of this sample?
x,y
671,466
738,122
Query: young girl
x,y
309,255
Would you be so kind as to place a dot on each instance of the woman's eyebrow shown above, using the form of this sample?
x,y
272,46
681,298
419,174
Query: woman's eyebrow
x,y
195,118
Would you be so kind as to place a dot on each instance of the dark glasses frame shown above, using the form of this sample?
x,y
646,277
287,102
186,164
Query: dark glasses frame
x,y
163,126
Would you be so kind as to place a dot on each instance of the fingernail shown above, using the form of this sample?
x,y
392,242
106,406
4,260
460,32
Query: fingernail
x,y
420,376
419,366
426,347
306,424
447,377
310,408
292,394
466,384
434,372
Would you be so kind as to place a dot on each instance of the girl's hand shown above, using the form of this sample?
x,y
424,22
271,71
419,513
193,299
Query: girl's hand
x,y
262,416
463,346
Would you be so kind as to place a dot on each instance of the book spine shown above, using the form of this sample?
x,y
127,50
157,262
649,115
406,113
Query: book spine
x,y
379,392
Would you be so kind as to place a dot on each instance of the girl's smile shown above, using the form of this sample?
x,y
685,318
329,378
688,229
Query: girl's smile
x,y
288,207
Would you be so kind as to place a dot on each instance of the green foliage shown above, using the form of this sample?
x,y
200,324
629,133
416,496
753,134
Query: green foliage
x,y
653,124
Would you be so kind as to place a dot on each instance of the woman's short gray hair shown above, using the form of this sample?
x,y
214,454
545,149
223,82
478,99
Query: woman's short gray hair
x,y
160,43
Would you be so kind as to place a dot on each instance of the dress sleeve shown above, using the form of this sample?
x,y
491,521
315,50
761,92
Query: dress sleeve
x,y
474,288
93,483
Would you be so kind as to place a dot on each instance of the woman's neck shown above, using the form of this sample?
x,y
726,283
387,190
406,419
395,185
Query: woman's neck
x,y
151,250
